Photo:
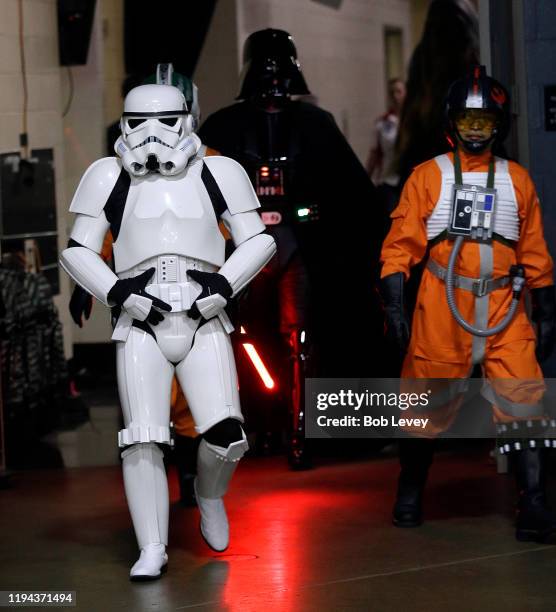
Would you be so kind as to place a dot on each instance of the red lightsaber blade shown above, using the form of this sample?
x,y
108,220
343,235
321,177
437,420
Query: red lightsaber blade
x,y
259,365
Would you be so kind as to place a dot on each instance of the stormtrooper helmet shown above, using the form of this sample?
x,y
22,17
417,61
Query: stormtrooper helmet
x,y
166,75
156,131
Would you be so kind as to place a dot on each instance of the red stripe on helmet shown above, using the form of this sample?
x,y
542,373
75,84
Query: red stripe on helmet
x,y
476,75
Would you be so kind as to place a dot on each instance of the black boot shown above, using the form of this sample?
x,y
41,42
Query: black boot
x,y
185,450
299,451
299,454
415,459
535,522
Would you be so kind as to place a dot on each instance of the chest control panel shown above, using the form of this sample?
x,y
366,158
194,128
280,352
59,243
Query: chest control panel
x,y
270,182
473,209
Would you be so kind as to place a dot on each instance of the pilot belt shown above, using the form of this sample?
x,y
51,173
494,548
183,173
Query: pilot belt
x,y
498,237
478,286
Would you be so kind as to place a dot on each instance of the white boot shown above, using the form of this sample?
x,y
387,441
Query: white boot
x,y
146,490
214,525
215,468
151,564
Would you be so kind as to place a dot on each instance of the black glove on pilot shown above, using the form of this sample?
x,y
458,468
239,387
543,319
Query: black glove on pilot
x,y
544,315
80,305
397,324
211,283
123,288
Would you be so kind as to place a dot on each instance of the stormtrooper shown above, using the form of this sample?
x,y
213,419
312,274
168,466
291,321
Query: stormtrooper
x,y
162,202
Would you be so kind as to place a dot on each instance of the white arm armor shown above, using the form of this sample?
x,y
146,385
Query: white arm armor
x,y
240,268
248,260
83,263
254,249
86,267
88,270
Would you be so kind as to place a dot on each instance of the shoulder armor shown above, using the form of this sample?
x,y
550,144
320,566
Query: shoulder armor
x,y
234,184
95,186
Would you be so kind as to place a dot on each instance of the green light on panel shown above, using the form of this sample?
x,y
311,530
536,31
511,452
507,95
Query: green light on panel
x,y
303,212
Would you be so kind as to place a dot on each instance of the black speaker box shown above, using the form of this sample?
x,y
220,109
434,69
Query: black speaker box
x,y
75,22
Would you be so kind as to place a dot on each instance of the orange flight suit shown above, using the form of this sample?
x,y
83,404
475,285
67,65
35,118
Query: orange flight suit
x,y
439,347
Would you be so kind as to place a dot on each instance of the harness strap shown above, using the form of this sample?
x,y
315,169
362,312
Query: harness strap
x,y
478,286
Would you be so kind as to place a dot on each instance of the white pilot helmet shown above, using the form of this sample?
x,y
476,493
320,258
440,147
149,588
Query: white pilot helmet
x,y
156,131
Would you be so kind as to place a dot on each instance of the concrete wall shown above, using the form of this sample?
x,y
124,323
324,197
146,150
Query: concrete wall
x,y
45,127
97,104
77,138
84,138
113,58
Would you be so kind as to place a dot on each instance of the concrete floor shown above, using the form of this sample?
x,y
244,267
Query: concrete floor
x,y
312,541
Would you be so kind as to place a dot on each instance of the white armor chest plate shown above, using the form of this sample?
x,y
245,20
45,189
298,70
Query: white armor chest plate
x,y
506,218
168,215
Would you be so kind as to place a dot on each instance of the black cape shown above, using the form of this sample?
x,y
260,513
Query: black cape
x,y
342,249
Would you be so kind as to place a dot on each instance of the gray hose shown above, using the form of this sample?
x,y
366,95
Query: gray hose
x,y
517,286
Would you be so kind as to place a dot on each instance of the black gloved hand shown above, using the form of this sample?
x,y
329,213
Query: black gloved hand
x,y
544,315
397,324
80,305
211,283
123,288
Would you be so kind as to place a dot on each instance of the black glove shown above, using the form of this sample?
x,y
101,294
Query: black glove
x,y
125,287
81,304
397,324
544,315
211,283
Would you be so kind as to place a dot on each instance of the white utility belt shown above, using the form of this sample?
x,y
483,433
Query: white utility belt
x,y
170,282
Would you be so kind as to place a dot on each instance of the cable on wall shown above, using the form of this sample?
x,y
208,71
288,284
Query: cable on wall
x,y
23,137
71,90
